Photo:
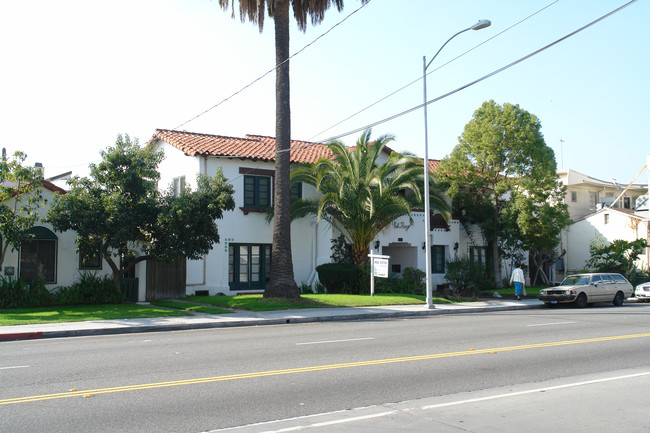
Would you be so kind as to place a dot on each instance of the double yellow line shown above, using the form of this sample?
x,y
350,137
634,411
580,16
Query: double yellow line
x,y
92,392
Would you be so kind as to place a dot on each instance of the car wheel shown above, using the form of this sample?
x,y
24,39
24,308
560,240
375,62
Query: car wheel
x,y
618,299
581,302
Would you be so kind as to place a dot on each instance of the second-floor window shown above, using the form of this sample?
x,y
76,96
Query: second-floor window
x,y
574,196
296,191
257,191
178,185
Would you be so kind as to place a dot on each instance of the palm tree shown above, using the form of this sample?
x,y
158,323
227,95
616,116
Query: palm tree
x,y
360,196
282,282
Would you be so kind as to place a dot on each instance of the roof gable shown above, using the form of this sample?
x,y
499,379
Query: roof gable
x,y
255,147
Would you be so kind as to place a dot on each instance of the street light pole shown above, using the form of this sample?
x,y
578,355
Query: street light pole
x,y
427,218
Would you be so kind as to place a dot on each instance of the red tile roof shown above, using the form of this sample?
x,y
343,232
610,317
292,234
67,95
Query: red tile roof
x,y
255,147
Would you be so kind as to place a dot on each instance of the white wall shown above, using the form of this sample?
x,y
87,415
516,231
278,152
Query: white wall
x,y
67,266
619,226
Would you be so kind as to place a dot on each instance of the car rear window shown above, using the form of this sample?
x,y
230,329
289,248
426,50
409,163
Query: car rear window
x,y
618,278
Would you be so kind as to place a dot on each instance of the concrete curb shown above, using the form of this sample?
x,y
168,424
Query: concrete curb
x,y
226,322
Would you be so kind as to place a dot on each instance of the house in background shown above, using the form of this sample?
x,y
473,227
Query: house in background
x,y
601,209
50,255
240,263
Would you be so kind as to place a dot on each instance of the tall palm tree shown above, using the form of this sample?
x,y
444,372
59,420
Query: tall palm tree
x,y
360,196
282,282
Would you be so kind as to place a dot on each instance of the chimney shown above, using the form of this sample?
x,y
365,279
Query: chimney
x,y
40,170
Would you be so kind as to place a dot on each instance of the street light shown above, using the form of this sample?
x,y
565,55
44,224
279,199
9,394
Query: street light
x,y
427,230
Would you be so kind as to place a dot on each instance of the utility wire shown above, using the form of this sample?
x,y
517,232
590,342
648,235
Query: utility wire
x,y
432,71
478,80
273,69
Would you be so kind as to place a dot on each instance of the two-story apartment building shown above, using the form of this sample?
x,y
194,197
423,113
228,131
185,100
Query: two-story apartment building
x,y
241,262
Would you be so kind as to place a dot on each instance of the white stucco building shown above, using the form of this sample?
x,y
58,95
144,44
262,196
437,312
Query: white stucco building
x,y
240,263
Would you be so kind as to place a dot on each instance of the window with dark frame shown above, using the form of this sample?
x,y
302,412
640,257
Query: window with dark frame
x,y
249,266
257,191
437,259
296,191
91,260
38,256
478,254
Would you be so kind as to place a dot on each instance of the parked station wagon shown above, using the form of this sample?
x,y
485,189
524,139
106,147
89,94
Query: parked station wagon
x,y
585,289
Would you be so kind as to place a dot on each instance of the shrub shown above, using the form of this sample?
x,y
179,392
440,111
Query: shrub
x,y
466,276
17,293
340,277
90,289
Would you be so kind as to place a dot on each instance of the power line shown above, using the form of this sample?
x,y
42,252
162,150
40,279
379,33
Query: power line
x,y
432,71
465,86
273,69
485,77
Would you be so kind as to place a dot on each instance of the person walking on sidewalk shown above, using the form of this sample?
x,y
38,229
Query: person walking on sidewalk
x,y
518,278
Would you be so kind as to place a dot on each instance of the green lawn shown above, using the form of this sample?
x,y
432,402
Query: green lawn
x,y
258,303
191,307
80,313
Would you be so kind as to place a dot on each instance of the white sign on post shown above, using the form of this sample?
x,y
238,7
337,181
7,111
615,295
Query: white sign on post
x,y
379,265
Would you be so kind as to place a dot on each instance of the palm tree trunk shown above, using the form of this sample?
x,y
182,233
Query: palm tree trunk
x,y
282,283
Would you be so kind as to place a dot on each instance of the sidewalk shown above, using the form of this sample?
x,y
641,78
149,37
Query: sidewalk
x,y
249,318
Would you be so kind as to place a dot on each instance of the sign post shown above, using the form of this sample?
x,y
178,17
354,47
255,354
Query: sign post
x,y
378,268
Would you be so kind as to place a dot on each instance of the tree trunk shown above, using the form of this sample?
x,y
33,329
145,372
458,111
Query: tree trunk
x,y
282,283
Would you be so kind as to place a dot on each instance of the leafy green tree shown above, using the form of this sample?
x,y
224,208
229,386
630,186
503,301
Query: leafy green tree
x,y
120,208
617,256
282,282
20,201
504,175
360,196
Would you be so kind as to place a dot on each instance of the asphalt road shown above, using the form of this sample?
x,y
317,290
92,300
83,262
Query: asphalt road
x,y
194,381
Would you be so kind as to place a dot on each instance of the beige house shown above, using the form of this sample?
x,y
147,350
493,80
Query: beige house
x,y
603,210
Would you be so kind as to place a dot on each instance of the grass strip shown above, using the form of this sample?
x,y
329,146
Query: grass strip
x,y
259,303
185,306
80,313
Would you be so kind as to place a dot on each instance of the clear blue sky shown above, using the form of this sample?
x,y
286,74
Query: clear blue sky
x,y
76,73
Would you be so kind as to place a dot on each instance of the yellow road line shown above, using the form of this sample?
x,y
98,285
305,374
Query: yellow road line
x,y
310,369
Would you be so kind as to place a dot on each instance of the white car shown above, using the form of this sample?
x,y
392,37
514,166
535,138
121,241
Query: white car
x,y
642,292
583,289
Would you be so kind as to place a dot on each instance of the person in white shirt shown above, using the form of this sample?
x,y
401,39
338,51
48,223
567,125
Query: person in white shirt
x,y
519,280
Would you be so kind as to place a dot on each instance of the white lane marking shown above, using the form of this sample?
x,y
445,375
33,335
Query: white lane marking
x,y
15,366
335,341
531,391
328,423
551,324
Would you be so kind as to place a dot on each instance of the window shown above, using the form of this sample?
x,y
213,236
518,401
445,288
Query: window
x,y
38,256
606,218
437,259
593,199
257,191
178,185
627,203
296,191
91,259
574,196
478,254
249,266
559,265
